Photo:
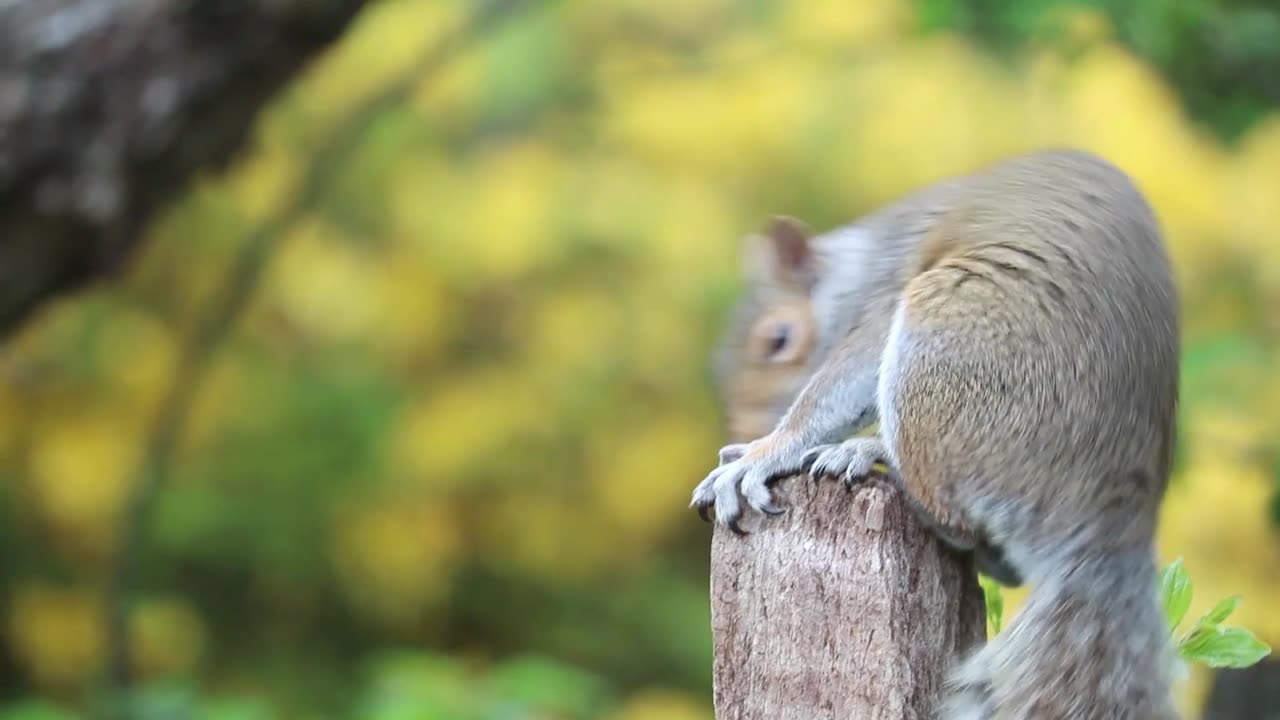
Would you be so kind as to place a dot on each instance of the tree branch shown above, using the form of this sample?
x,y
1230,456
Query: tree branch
x,y
109,107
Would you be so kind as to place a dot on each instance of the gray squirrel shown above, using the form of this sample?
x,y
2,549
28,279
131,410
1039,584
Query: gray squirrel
x,y
1015,331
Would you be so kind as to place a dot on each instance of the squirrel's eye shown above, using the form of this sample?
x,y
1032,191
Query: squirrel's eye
x,y
778,339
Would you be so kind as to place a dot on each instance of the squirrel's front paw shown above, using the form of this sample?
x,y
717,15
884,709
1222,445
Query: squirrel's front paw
x,y
850,461
745,472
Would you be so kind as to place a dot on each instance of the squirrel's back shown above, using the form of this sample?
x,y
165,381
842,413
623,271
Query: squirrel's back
x,y
1074,204
1016,332
1035,377
1061,229
1062,257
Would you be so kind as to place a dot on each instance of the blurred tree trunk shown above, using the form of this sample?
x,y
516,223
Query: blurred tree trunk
x,y
1251,693
109,107
844,607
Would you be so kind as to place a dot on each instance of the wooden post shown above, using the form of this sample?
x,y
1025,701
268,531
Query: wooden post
x,y
845,607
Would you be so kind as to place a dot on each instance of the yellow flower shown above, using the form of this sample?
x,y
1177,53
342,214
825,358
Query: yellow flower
x,y
56,635
640,479
660,704
416,317
570,332
1251,213
138,355
378,49
461,422
82,468
666,16
452,92
506,227
666,354
484,222
843,26
261,182
425,201
1118,107
735,120
394,559
524,531
890,140
325,285
1085,25
1216,518
616,201
694,233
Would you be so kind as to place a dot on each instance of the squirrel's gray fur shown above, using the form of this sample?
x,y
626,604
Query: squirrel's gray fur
x,y
1016,333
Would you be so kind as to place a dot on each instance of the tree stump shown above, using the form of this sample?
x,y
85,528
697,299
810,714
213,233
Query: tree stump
x,y
845,607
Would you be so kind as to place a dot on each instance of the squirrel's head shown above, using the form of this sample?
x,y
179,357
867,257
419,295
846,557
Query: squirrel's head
x,y
763,359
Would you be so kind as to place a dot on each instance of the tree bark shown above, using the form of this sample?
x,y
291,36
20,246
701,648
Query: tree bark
x,y
109,107
845,607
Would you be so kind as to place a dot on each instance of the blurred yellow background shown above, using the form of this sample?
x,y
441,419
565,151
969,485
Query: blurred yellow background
x,y
439,465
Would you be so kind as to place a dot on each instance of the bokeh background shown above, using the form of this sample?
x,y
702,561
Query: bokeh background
x,y
397,417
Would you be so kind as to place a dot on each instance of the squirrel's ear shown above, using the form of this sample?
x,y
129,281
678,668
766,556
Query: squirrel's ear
x,y
782,254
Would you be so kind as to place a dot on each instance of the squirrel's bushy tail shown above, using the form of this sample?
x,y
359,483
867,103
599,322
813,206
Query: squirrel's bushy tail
x,y
1089,643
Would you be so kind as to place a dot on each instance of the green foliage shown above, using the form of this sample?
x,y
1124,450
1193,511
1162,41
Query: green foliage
x,y
1175,593
398,686
34,710
423,686
1223,647
1207,641
461,413
1215,52
994,600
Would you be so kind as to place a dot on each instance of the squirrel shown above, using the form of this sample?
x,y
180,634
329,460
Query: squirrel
x,y
1015,332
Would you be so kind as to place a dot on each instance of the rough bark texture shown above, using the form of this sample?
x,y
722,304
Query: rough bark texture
x,y
845,607
108,107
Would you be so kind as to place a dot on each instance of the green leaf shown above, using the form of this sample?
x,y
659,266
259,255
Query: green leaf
x,y
34,710
1224,648
1220,612
994,602
528,63
1175,593
548,686
235,709
418,686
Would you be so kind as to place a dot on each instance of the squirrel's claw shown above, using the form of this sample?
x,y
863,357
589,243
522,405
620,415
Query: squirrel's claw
x,y
742,480
704,495
811,463
852,480
732,453
809,458
851,461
